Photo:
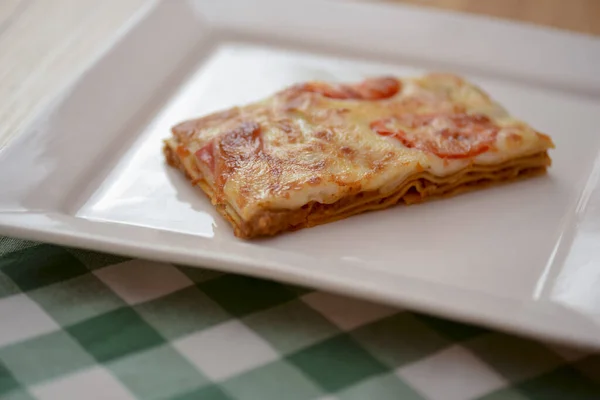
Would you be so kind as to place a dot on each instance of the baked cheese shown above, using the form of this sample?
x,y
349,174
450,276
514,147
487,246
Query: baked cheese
x,y
317,152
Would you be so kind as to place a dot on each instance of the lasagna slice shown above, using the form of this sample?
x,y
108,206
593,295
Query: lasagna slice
x,y
319,152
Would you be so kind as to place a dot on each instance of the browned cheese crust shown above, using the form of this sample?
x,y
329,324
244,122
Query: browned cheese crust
x,y
316,153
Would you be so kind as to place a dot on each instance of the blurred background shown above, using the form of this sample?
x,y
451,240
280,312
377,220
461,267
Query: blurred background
x,y
45,43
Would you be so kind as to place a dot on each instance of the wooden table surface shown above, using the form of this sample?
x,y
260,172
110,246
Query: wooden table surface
x,y
575,15
45,43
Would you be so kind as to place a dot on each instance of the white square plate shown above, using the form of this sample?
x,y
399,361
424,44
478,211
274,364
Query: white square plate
x,y
523,257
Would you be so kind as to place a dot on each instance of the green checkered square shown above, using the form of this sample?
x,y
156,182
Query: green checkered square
x,y
39,266
590,367
399,339
7,286
272,382
8,383
213,392
506,394
383,387
115,334
337,363
18,395
158,373
182,312
299,290
94,260
45,357
199,275
241,295
560,384
76,299
515,358
291,326
454,331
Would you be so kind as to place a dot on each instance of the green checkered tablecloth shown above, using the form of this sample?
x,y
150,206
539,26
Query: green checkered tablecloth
x,y
81,325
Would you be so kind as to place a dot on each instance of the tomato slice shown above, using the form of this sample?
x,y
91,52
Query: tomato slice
x,y
369,89
206,155
450,136
378,88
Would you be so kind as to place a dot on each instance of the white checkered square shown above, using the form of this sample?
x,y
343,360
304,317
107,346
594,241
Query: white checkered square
x,y
22,319
226,350
347,313
92,384
137,281
452,374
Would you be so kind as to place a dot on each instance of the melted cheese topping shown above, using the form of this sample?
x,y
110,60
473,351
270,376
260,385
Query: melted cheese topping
x,y
321,142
